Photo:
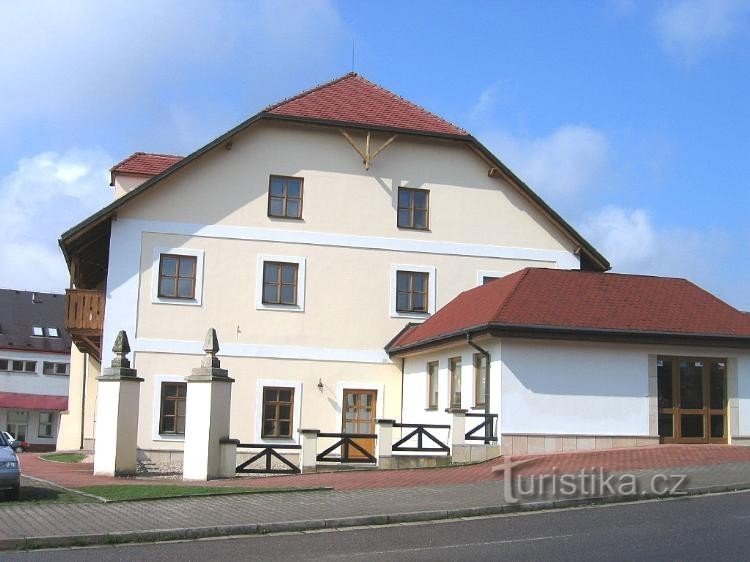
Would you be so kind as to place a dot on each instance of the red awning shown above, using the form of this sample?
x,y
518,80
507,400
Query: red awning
x,y
19,401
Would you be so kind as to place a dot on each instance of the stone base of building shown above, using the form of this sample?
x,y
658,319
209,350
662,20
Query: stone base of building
x,y
530,444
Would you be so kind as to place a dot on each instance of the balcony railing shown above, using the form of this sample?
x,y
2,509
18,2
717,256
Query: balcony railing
x,y
84,319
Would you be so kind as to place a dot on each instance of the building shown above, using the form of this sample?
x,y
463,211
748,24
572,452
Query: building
x,y
307,236
313,233
584,360
34,366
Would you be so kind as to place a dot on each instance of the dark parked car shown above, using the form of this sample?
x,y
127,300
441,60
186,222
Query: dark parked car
x,y
10,470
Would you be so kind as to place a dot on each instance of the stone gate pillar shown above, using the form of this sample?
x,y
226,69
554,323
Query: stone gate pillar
x,y
116,431
208,402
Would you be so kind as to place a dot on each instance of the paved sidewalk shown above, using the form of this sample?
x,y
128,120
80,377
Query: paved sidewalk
x,y
708,469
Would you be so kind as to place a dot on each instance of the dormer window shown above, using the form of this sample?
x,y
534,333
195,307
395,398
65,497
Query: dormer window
x,y
285,197
37,331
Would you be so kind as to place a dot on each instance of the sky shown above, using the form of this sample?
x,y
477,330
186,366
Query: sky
x,y
630,118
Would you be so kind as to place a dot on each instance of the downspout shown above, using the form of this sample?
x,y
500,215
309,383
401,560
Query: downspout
x,y
486,376
403,365
83,395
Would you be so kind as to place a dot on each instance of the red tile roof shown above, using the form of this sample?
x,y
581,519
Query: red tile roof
x,y
19,401
144,164
537,298
353,99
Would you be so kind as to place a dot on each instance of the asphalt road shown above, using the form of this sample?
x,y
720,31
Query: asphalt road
x,y
697,528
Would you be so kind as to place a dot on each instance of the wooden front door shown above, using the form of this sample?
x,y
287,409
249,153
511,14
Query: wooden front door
x,y
358,416
692,400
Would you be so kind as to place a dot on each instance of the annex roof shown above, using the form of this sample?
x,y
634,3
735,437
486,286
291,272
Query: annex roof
x,y
538,300
353,99
143,164
20,401
22,311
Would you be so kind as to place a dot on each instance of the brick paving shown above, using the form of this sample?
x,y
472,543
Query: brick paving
x,y
384,495
613,460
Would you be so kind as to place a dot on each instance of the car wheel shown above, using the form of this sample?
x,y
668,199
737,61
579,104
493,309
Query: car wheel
x,y
14,494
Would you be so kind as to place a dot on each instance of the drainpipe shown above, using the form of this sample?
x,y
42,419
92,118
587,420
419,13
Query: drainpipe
x,y
83,395
403,365
486,376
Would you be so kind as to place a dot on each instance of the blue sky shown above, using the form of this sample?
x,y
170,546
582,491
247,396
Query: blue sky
x,y
630,118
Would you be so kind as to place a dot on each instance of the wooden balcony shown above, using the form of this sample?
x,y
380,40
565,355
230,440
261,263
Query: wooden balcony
x,y
84,319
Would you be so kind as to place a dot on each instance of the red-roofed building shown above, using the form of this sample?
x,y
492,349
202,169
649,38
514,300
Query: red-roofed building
x,y
581,360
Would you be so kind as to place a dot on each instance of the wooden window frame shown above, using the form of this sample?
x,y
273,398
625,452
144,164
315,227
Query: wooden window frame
x,y
411,208
279,284
277,404
285,197
53,368
50,423
480,400
454,368
410,292
163,398
433,377
177,277
7,363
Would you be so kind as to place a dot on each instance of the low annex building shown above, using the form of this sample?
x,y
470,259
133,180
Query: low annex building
x,y
581,360
34,366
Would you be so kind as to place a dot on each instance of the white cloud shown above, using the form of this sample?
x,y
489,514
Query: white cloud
x,y
45,195
560,166
485,104
688,29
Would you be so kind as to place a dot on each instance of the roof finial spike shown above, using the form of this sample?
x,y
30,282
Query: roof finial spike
x,y
121,348
211,347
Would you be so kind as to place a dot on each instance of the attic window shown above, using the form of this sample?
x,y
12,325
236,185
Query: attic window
x,y
37,331
53,333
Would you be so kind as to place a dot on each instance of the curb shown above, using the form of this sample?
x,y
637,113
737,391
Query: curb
x,y
158,535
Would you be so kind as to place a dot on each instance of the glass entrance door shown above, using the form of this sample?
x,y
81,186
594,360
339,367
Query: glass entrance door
x,y
358,417
692,400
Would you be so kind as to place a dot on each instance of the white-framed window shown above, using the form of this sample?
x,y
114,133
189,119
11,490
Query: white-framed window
x,y
169,408
53,332
484,276
46,424
413,291
275,401
37,331
52,368
21,366
177,276
280,283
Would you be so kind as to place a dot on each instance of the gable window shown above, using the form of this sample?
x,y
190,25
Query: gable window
x,y
53,332
285,197
37,331
50,368
432,385
280,283
412,291
172,418
45,424
454,365
480,379
413,208
278,405
177,275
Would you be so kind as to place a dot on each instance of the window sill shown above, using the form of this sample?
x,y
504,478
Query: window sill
x,y
431,409
414,229
170,437
422,315
179,302
478,407
286,307
279,217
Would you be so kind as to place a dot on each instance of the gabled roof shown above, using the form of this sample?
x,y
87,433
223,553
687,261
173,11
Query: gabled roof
x,y
20,311
545,301
143,164
353,99
366,103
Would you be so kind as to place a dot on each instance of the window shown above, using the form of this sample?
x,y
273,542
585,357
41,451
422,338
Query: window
x,y
45,424
37,331
280,283
4,365
412,291
487,278
480,379
278,405
53,333
172,418
413,208
455,370
177,276
24,366
432,385
49,368
285,197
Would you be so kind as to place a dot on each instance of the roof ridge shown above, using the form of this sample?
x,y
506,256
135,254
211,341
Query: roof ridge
x,y
405,100
308,91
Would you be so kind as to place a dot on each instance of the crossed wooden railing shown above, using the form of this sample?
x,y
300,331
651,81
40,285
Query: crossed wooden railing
x,y
350,449
422,433
487,427
267,454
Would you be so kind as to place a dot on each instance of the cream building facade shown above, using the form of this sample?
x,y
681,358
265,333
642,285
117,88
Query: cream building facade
x,y
307,249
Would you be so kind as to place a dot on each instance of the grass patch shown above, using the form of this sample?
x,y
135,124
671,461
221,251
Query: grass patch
x,y
129,492
64,457
33,492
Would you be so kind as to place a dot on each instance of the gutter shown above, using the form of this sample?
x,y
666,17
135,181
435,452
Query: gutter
x,y
487,392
